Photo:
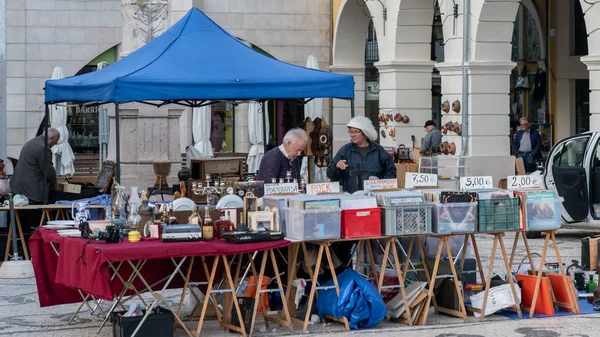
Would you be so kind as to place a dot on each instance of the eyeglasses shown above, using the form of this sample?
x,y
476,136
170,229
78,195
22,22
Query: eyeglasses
x,y
354,132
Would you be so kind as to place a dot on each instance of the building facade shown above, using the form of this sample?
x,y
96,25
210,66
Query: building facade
x,y
524,58
82,35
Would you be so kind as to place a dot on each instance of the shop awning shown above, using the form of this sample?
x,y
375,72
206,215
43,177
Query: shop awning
x,y
198,60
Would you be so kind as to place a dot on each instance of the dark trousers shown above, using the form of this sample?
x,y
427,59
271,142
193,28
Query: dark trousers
x,y
529,161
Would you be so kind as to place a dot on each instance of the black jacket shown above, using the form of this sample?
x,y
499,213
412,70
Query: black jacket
x,y
28,176
378,163
536,143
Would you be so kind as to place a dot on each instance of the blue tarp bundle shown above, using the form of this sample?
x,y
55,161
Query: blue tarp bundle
x,y
359,301
198,60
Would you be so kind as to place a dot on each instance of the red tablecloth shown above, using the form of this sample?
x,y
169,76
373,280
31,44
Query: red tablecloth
x,y
83,264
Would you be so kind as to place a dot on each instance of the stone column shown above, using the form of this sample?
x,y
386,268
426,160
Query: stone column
x,y
341,108
405,88
242,141
489,105
147,136
593,64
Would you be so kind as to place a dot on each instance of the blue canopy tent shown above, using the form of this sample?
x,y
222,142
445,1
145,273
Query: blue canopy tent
x,y
194,63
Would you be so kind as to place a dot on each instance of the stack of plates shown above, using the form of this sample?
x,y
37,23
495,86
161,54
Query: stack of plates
x,y
59,224
75,233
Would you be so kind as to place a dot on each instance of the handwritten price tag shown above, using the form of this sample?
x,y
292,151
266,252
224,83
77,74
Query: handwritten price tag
x,y
380,184
413,179
331,187
280,188
523,182
476,183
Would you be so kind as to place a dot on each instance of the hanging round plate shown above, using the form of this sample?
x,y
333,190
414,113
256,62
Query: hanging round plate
x,y
230,201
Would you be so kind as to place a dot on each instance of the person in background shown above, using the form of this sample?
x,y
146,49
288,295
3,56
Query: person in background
x,y
360,159
28,176
433,139
278,161
527,144
34,160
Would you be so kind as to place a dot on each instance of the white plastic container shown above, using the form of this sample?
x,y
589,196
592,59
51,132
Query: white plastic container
x,y
313,224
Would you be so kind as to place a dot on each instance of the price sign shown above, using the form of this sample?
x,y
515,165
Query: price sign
x,y
281,188
332,187
476,183
522,182
380,184
413,179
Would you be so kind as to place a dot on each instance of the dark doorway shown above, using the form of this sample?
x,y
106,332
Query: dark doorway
x,y
582,106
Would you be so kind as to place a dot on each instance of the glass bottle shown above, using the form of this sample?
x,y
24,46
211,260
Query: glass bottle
x,y
195,217
224,225
208,231
172,217
164,218
591,285
118,206
273,180
288,176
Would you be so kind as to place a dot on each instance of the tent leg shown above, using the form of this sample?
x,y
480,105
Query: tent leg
x,y
233,128
46,119
264,122
352,108
118,143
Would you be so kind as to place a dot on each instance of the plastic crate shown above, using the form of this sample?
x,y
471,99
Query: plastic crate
x,y
497,215
313,224
361,223
406,219
454,217
158,324
278,205
543,214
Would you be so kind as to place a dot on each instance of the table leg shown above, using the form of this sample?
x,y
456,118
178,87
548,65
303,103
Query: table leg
x,y
236,303
258,283
292,259
210,276
185,286
401,279
384,264
478,257
406,264
313,278
373,273
507,268
286,313
335,282
430,278
210,296
463,311
488,280
539,276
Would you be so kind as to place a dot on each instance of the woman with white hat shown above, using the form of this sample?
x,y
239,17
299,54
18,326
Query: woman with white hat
x,y
360,159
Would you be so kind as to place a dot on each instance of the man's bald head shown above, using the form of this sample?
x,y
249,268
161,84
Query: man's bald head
x,y
53,137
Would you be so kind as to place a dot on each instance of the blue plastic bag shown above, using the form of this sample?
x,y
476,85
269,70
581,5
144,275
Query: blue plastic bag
x,y
359,301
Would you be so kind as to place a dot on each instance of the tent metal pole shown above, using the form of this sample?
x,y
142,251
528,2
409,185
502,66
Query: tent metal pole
x,y
233,127
352,108
264,122
118,143
46,119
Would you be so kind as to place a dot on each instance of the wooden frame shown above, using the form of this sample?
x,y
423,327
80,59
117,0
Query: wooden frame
x,y
103,180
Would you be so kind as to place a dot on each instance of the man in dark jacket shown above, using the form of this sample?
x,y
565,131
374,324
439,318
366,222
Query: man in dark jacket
x,y
35,158
278,161
433,139
527,144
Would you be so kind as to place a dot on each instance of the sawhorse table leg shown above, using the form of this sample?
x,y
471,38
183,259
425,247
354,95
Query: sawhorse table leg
x,y
498,240
431,280
9,238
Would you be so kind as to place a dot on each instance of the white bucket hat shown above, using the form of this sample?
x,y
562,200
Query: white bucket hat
x,y
365,125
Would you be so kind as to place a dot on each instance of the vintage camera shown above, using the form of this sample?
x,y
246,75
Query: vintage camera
x,y
84,228
110,235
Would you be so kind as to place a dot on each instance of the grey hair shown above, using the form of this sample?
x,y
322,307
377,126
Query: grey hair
x,y
524,119
294,135
52,132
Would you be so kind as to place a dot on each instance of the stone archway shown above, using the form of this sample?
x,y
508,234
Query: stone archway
x,y
489,67
350,34
405,69
591,11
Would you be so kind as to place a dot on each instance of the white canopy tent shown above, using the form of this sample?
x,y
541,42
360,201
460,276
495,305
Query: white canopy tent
x,y
313,109
255,134
63,156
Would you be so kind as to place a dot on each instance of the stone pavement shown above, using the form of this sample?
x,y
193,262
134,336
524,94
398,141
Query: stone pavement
x,y
20,314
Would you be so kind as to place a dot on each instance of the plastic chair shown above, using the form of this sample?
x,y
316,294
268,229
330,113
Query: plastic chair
x,y
183,204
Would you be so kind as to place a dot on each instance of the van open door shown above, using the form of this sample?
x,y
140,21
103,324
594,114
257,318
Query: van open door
x,y
566,171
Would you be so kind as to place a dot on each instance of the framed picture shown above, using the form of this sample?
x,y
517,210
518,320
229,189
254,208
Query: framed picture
x,y
261,221
250,205
105,176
